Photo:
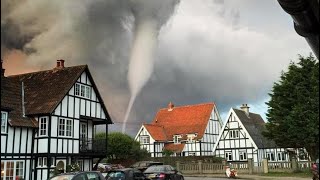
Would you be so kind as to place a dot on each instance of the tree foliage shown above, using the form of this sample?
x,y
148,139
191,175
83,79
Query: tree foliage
x,y
122,146
167,153
293,111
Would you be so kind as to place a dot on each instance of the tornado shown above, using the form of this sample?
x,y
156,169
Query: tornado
x,y
149,16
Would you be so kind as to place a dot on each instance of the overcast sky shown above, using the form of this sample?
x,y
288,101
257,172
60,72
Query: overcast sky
x,y
224,51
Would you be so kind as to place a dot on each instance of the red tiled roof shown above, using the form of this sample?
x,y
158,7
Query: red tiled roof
x,y
181,120
159,135
174,147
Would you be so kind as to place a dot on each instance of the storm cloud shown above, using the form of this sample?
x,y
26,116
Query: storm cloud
x,y
210,50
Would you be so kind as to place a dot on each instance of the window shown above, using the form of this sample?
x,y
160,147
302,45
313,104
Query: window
x,y
190,138
177,139
19,169
43,126
65,127
77,89
4,120
228,156
82,90
243,155
234,134
270,156
11,170
144,139
42,161
52,161
281,156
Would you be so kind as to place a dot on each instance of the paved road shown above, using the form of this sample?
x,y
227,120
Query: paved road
x,y
247,177
205,178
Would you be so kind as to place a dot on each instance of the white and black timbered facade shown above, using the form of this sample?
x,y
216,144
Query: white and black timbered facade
x,y
53,124
241,139
190,130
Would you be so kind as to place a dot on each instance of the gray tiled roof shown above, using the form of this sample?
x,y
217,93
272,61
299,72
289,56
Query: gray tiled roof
x,y
254,124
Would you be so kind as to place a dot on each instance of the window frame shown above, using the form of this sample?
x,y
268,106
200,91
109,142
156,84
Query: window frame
x,y
228,155
234,134
42,161
13,169
4,122
191,138
177,139
145,139
63,128
243,156
281,156
270,156
45,124
82,90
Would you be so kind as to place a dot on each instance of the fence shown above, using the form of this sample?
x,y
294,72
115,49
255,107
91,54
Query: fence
x,y
248,167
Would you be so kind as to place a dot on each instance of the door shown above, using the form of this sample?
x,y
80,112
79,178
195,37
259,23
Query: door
x,y
83,136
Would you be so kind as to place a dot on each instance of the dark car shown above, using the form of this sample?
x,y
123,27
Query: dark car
x,y
143,165
84,175
163,172
125,174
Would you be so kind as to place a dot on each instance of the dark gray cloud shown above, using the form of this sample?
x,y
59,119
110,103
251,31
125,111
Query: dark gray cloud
x,y
208,50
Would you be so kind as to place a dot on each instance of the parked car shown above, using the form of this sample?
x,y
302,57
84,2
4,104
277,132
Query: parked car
x,y
163,172
83,175
125,174
143,165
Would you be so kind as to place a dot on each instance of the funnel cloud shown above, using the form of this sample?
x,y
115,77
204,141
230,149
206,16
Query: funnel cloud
x,y
151,52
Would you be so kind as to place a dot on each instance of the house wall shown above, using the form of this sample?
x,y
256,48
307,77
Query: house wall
x,y
152,147
211,134
55,147
192,148
16,148
235,145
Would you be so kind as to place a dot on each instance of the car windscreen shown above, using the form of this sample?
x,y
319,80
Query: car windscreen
x,y
155,169
63,177
115,175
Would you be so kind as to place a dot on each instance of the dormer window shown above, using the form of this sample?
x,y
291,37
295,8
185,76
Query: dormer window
x,y
190,137
82,90
177,139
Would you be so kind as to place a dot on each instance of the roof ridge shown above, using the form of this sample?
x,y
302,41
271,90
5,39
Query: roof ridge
x,y
190,105
243,111
29,73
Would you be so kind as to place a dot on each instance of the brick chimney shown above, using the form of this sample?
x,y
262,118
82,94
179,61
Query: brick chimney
x,y
245,108
2,70
170,106
60,64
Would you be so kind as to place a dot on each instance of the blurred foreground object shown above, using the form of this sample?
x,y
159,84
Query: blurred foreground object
x,y
305,15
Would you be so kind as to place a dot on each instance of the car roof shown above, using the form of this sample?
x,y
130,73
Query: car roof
x,y
77,172
124,169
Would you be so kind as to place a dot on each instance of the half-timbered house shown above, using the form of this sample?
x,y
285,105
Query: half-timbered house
x,y
48,120
241,139
190,130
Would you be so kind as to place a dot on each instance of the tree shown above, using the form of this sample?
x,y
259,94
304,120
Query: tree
x,y
167,153
122,146
293,111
